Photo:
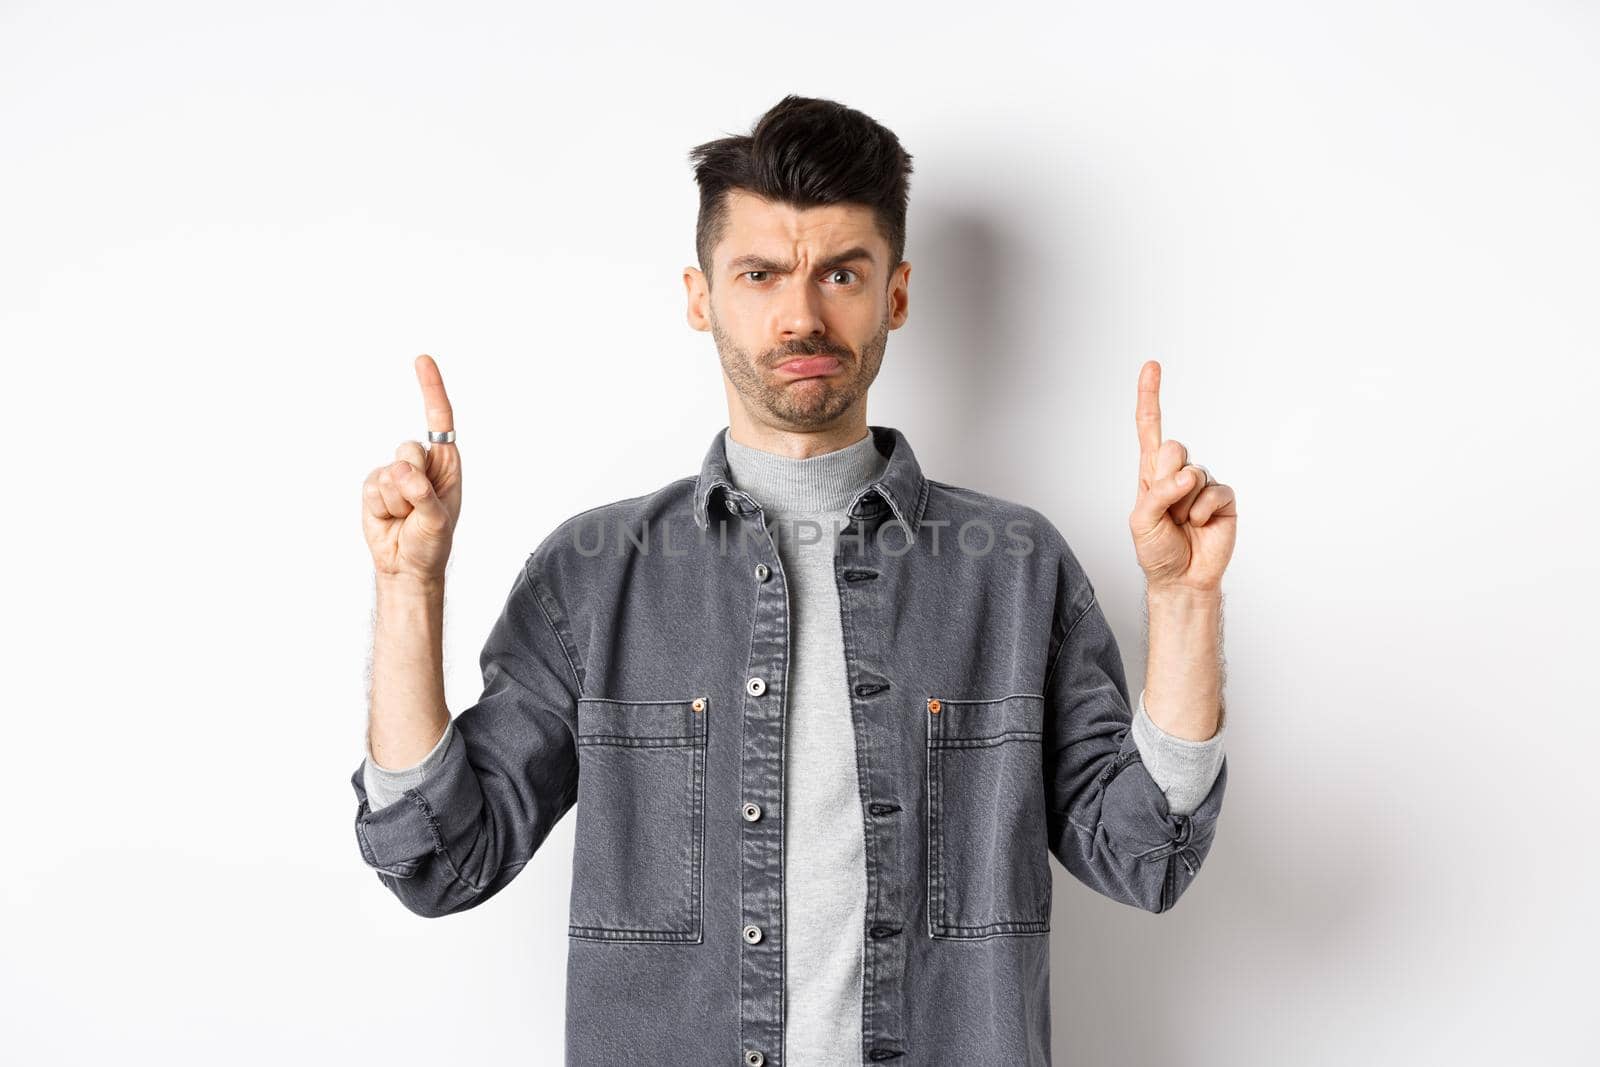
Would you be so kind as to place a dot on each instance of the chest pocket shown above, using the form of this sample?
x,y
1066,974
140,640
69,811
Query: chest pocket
x,y
640,835
988,847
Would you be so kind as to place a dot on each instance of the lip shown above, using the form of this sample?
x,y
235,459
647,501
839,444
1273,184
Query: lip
x,y
810,366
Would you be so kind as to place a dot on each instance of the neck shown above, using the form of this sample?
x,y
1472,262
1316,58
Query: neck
x,y
748,429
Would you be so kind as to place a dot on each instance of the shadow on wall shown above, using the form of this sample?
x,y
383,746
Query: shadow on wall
x,y
1287,888
958,375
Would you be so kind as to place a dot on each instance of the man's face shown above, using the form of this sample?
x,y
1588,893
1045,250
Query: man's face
x,y
800,303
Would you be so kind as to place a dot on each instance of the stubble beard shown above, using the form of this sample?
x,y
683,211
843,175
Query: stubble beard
x,y
808,403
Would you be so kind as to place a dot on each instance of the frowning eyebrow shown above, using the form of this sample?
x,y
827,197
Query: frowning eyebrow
x,y
754,262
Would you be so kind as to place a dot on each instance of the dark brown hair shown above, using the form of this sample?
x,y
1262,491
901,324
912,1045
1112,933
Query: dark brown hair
x,y
805,152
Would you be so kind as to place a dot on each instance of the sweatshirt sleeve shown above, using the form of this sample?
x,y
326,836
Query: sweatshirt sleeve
x,y
1184,769
385,786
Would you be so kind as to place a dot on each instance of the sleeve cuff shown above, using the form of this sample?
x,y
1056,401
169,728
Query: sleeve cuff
x,y
385,786
1185,770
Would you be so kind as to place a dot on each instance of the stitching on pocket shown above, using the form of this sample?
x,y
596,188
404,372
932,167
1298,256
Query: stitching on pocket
x,y
692,806
942,748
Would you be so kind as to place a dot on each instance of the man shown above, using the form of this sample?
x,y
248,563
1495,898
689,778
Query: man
x,y
823,718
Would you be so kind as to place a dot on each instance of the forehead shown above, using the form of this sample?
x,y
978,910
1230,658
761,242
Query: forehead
x,y
766,227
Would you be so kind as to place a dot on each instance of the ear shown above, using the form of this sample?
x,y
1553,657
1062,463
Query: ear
x,y
699,297
900,295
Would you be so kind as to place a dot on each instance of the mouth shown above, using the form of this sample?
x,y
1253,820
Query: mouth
x,y
810,366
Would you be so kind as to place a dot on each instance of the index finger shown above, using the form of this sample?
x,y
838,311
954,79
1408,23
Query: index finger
x,y
434,400
1148,413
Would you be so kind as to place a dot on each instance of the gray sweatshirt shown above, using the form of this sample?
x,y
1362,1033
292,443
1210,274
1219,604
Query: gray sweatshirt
x,y
804,501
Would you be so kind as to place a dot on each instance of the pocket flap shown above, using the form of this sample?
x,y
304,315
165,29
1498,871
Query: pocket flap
x,y
603,721
959,720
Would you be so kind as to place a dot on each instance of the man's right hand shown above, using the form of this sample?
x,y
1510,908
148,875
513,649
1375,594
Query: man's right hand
x,y
409,508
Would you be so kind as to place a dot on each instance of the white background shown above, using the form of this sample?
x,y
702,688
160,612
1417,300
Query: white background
x,y
1361,238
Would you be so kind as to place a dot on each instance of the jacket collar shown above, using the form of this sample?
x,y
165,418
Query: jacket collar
x,y
902,485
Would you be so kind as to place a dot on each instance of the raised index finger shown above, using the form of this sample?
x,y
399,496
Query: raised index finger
x,y
1148,413
434,400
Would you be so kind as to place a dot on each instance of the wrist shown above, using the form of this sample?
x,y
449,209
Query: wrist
x,y
408,586
1179,596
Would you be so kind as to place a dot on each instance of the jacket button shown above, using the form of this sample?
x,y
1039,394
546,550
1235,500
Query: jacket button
x,y
754,1058
699,704
731,504
752,933
752,812
762,572
933,705
755,687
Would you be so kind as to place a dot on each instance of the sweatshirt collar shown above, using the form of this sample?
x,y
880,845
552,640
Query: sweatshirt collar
x,y
901,485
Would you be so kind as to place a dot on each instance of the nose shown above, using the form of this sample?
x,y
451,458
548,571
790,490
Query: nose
x,y
799,312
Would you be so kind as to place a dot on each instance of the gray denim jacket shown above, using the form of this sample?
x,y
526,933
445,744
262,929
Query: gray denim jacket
x,y
638,671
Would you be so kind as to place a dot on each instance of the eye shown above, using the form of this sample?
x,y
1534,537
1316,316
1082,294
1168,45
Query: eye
x,y
751,274
844,270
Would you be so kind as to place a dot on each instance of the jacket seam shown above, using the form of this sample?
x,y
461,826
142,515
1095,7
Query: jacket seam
x,y
555,632
1065,639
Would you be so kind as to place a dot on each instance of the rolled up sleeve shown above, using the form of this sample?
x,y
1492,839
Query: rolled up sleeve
x,y
1110,823
474,812
1184,769
386,785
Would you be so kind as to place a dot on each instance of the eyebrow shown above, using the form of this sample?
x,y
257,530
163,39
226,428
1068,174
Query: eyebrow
x,y
755,262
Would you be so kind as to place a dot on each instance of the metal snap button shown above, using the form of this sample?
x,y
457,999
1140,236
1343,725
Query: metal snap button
x,y
933,705
754,1058
699,704
752,933
755,687
752,812
731,504
763,572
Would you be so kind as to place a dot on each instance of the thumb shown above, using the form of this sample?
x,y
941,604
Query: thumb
x,y
425,503
1163,493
